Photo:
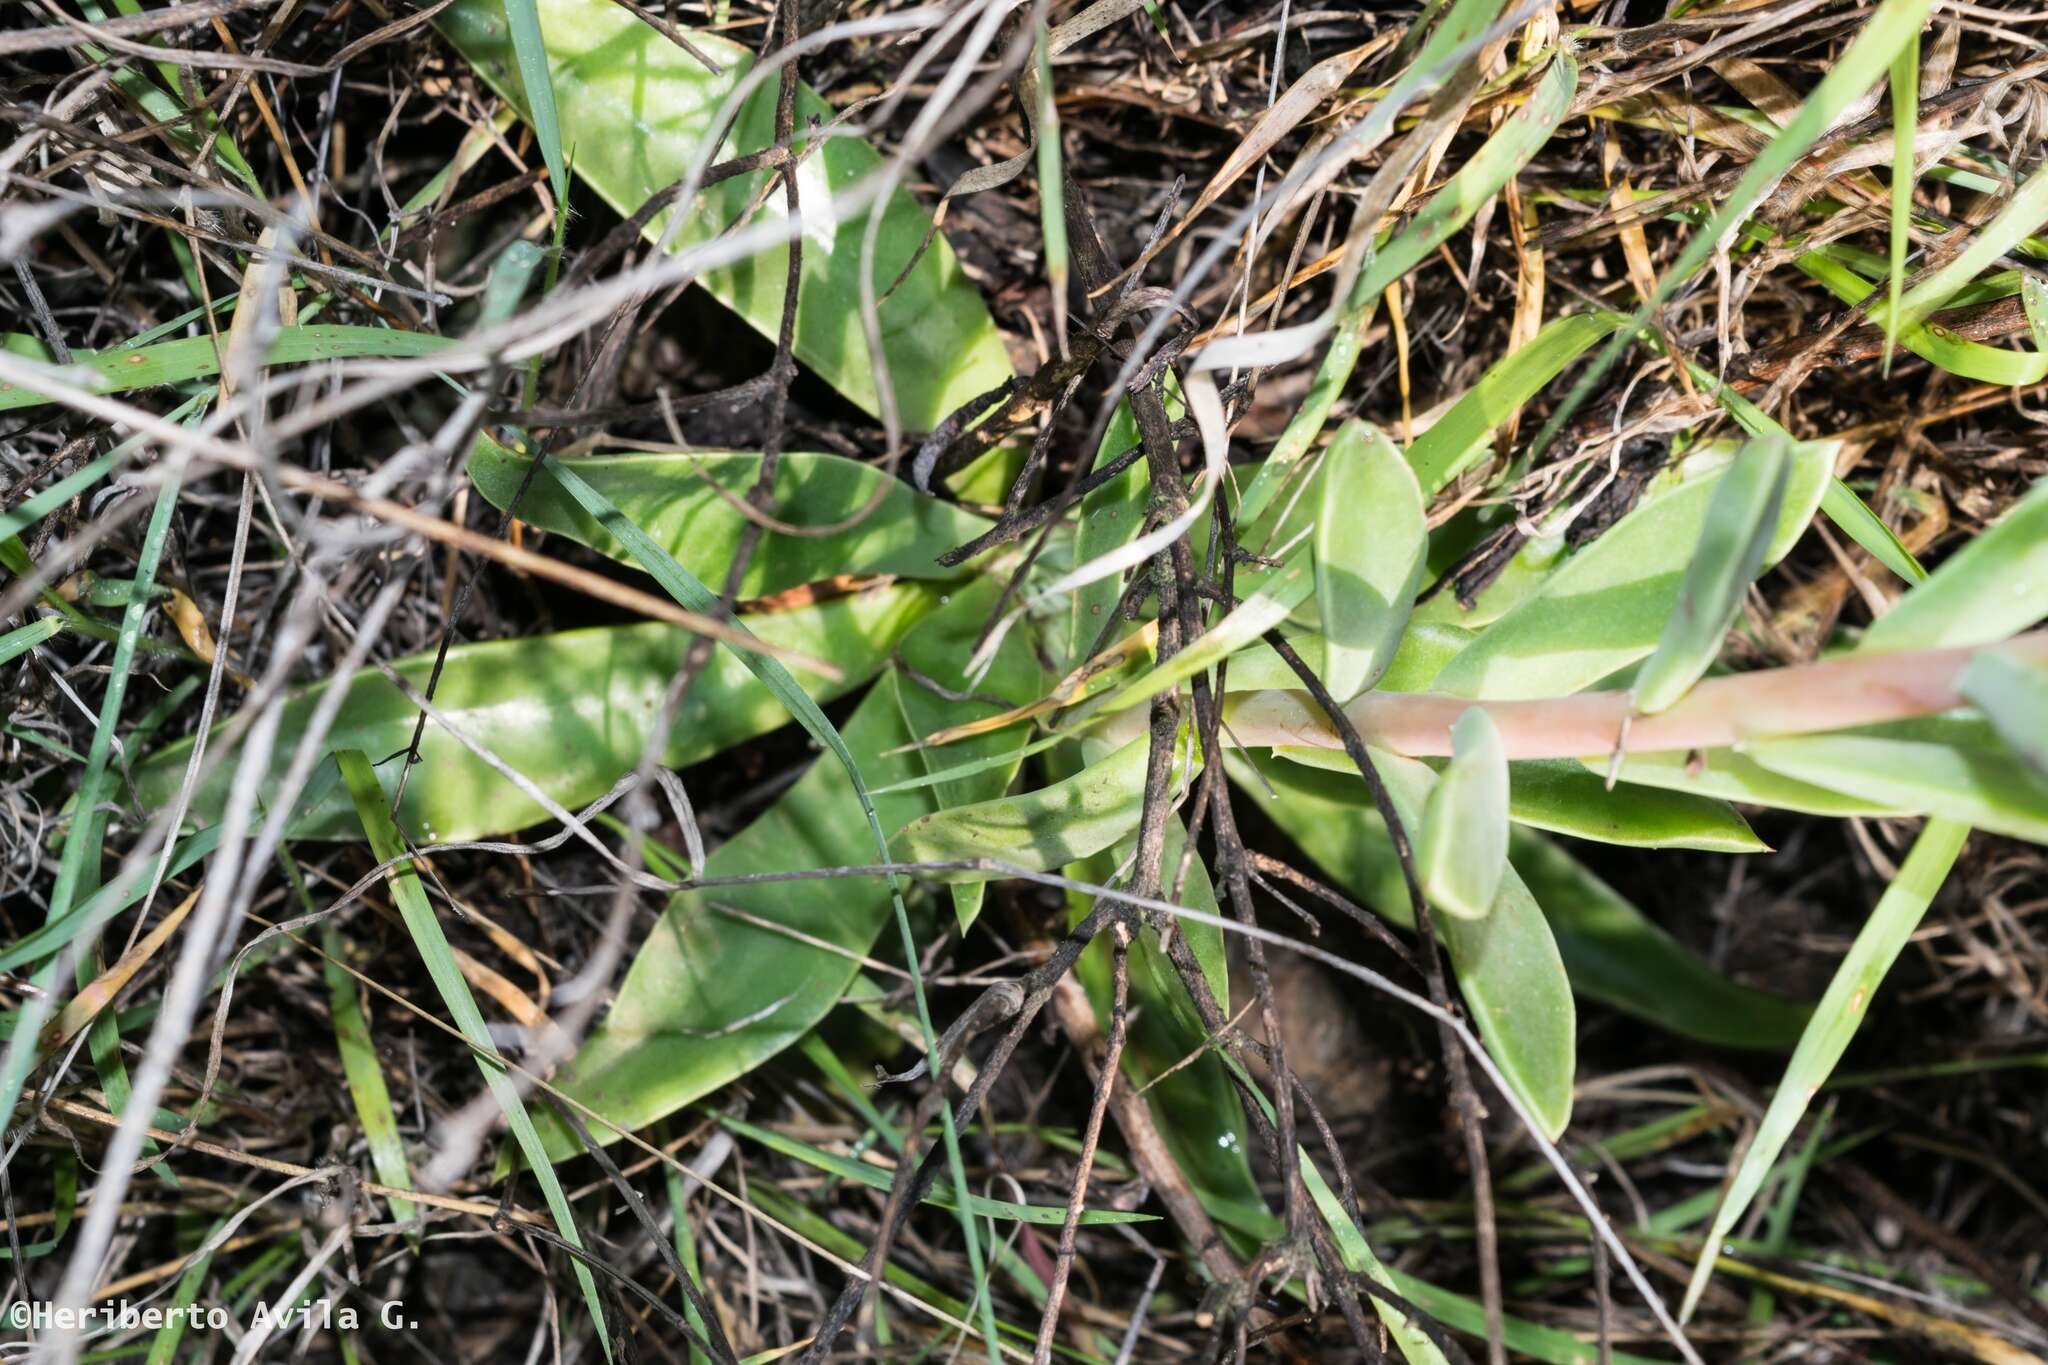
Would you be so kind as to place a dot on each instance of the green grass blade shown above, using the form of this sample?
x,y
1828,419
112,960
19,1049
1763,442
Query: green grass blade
x,y
163,1347
358,1050
439,959
31,510
2022,215
1462,854
876,1178
1741,520
78,868
1868,56
1835,1021
173,362
1934,344
1905,81
530,50
24,638
1477,181
1851,515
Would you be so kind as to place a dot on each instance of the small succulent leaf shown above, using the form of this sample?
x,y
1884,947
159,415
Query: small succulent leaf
x,y
1370,541
1507,965
1462,853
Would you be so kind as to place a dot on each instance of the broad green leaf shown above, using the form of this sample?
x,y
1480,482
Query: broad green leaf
x,y
359,1061
879,1178
1507,964
1742,519
1616,955
635,110
1424,650
671,497
373,807
1957,769
1370,541
1561,796
1013,673
530,52
1850,514
1835,1021
1995,586
1461,856
1459,437
1730,775
174,362
710,996
1044,829
1606,606
2013,696
570,711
